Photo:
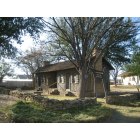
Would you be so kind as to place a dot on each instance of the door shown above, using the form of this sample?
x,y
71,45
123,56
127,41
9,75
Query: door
x,y
68,83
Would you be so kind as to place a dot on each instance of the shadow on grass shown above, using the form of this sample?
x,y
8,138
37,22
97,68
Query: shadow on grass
x,y
135,103
124,112
118,117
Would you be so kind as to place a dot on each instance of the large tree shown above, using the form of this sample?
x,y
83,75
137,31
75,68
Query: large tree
x,y
85,34
13,28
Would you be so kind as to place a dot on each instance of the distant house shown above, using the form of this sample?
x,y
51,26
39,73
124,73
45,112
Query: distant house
x,y
64,77
128,78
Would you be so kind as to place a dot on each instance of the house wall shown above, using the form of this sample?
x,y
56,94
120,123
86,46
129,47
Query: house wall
x,y
74,87
66,82
46,81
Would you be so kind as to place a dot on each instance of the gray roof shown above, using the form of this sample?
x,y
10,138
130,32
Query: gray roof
x,y
56,67
64,66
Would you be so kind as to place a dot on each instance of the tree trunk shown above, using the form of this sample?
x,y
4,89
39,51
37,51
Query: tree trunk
x,y
33,78
1,80
115,81
83,83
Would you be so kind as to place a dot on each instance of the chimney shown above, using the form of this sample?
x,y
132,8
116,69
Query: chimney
x,y
96,53
46,63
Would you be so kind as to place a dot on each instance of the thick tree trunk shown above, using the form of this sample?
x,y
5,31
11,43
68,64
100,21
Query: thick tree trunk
x,y
115,81
1,80
83,83
33,78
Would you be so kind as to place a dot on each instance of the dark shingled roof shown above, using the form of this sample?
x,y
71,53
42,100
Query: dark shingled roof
x,y
64,66
56,67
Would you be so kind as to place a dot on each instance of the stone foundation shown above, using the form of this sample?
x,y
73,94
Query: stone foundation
x,y
4,91
117,99
53,103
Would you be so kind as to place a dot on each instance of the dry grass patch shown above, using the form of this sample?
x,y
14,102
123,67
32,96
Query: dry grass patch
x,y
123,88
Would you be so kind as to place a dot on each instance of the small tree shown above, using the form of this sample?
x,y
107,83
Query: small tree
x,y
5,70
118,56
34,58
134,66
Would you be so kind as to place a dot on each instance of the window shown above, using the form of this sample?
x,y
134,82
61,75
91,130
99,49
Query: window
x,y
44,79
62,79
58,79
71,79
76,78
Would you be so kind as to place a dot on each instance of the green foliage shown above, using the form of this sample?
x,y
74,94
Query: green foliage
x,y
134,67
31,112
5,69
13,28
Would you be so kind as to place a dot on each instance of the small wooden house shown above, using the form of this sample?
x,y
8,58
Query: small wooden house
x,y
64,78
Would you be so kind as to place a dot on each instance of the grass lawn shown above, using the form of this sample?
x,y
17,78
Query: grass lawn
x,y
31,112
123,88
13,110
127,113
105,113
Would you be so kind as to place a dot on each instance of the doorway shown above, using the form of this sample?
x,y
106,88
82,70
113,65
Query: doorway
x,y
68,83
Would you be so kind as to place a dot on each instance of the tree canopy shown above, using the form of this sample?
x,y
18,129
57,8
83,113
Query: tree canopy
x,y
13,28
134,66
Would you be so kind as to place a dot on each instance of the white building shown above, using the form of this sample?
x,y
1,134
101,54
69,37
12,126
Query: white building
x,y
128,79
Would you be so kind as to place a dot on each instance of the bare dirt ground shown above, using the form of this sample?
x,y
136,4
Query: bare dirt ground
x,y
5,102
